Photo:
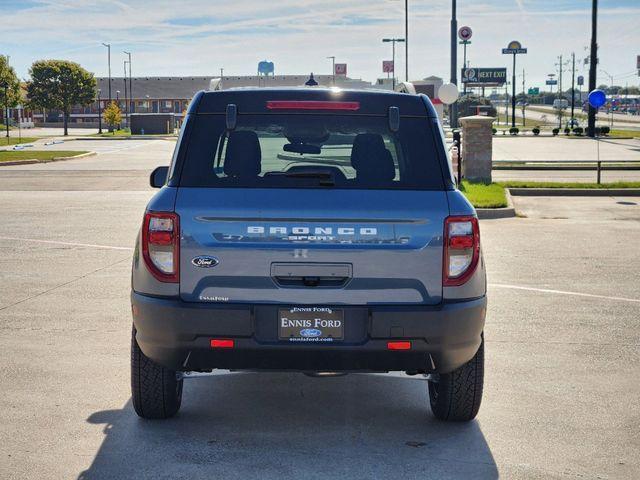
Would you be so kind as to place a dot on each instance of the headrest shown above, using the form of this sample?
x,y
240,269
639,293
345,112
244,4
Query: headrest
x,y
371,159
243,157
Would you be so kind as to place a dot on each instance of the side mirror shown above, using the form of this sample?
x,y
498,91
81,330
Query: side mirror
x,y
158,177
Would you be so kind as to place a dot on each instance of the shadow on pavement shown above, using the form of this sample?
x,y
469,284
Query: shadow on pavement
x,y
286,425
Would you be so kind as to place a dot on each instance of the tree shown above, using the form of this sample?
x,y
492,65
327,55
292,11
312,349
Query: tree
x,y
112,115
9,78
60,84
467,106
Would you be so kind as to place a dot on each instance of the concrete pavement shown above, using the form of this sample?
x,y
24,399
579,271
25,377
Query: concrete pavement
x,y
561,398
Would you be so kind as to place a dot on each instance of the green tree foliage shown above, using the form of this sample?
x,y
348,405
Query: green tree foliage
x,y
112,115
60,84
467,106
9,78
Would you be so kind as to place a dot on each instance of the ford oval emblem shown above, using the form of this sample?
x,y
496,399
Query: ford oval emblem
x,y
205,261
310,332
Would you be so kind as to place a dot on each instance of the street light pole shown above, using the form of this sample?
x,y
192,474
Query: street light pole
x,y
6,106
126,104
393,59
406,44
573,85
453,109
108,45
593,65
99,113
333,68
130,85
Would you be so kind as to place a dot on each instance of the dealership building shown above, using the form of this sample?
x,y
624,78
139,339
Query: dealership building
x,y
171,95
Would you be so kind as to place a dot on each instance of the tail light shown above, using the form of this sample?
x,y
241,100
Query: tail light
x,y
161,245
461,249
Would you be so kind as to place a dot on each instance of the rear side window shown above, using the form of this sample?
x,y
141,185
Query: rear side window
x,y
306,151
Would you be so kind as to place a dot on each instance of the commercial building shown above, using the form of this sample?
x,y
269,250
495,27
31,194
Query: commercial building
x,y
171,95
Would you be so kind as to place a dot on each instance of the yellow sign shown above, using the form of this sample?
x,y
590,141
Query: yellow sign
x,y
514,45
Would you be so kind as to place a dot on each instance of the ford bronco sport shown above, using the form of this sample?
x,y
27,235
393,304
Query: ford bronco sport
x,y
308,230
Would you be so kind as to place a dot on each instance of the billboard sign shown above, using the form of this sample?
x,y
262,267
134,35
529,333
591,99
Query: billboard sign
x,y
387,66
551,82
341,69
484,76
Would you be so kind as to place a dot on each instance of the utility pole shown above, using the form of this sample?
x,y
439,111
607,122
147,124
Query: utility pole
x,y
133,105
333,68
5,84
453,109
560,67
406,41
593,65
573,85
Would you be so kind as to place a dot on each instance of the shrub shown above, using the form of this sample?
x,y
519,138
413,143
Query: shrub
x,y
494,131
514,130
567,130
605,130
578,131
555,131
536,131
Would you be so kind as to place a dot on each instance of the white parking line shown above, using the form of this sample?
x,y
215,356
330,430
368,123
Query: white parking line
x,y
564,292
71,244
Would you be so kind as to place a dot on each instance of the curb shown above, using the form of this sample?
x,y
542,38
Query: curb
x,y
131,137
576,192
54,159
494,213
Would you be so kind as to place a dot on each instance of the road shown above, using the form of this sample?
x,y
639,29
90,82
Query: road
x,y
562,337
550,116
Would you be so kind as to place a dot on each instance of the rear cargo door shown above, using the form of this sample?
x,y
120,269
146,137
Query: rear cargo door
x,y
311,246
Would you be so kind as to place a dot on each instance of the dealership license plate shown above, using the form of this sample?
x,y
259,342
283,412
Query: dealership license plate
x,y
310,324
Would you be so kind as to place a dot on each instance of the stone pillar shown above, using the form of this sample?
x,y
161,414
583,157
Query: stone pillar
x,y
477,141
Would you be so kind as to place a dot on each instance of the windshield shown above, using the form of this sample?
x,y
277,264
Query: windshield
x,y
307,151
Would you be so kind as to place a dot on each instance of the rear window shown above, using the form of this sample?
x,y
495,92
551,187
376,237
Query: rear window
x,y
307,151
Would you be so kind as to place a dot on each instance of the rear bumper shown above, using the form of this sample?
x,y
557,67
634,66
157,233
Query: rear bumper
x,y
177,334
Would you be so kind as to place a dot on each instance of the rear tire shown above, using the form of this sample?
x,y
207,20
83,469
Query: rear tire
x,y
155,390
456,396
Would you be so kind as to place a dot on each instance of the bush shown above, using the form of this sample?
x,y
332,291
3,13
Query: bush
x,y
494,131
467,105
514,130
567,130
555,131
536,131
578,131
605,130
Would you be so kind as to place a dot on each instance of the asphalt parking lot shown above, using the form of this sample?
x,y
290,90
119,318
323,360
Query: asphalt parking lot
x,y
562,397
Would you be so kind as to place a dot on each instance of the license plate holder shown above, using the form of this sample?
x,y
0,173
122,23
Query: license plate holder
x,y
311,324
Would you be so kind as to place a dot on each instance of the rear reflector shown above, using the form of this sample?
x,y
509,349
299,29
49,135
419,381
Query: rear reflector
x,y
398,345
221,343
161,238
311,105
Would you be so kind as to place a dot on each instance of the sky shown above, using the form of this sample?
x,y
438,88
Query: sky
x,y
198,37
